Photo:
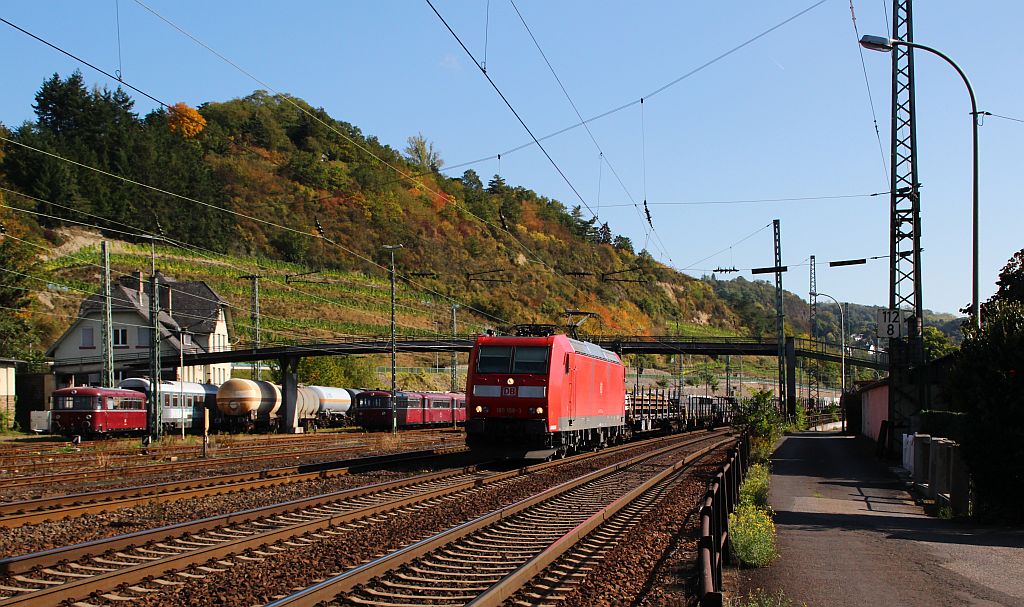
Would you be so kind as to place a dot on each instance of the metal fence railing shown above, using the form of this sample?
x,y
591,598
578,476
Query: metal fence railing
x,y
721,498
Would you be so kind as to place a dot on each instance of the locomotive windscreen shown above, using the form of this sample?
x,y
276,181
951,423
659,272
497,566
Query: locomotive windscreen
x,y
518,360
76,402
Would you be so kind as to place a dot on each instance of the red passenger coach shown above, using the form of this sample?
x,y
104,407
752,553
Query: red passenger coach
x,y
97,411
544,395
372,409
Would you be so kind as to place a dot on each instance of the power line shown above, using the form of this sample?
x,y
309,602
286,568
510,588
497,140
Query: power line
x,y
575,109
512,109
759,200
871,99
660,89
741,240
83,61
999,116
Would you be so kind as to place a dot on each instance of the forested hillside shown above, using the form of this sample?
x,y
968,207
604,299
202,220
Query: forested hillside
x,y
255,177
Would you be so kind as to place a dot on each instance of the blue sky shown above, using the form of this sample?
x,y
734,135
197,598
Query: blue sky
x,y
785,117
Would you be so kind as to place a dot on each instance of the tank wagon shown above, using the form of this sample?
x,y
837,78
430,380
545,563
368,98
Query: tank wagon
x,y
412,409
97,412
258,405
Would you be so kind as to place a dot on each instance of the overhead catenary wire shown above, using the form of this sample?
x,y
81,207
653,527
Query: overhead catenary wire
x,y
497,89
590,133
871,99
658,90
117,21
759,200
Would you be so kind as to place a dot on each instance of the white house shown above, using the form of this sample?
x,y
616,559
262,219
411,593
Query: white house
x,y
189,311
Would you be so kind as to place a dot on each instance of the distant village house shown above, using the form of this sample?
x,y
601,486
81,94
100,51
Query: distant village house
x,y
192,318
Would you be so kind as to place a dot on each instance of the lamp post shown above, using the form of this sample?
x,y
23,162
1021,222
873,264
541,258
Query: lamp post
x,y
842,338
885,45
394,382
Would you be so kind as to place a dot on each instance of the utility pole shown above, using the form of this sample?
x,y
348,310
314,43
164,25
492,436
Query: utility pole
x,y
394,355
780,325
254,315
813,391
155,364
181,379
107,379
455,359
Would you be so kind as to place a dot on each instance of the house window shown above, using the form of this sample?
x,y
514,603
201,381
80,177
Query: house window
x,y
120,338
87,340
145,337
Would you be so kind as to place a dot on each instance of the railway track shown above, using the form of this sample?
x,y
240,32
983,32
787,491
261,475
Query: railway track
x,y
486,561
135,565
149,469
15,514
25,461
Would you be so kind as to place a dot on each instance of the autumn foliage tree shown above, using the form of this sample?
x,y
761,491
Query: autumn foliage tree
x,y
185,120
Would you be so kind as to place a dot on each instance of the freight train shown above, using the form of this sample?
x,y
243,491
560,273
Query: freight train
x,y
544,395
247,405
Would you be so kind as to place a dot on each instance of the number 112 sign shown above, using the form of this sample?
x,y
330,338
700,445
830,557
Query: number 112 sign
x,y
890,323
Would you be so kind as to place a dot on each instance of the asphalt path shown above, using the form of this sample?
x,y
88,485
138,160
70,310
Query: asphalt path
x,y
848,534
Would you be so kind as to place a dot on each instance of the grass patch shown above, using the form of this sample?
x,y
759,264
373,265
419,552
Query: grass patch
x,y
752,535
761,598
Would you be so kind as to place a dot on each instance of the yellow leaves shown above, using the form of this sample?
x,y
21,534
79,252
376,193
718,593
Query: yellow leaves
x,y
185,120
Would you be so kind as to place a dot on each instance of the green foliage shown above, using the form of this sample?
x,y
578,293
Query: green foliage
x,y
421,153
347,371
752,535
754,490
761,419
987,383
800,423
936,343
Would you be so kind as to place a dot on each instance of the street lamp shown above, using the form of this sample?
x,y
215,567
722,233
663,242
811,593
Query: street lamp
x,y
842,339
394,382
885,45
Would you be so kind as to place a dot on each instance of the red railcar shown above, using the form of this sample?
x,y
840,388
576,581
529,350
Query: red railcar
x,y
97,411
543,394
372,409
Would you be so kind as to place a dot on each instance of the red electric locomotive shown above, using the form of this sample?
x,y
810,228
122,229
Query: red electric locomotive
x,y
97,411
372,409
544,395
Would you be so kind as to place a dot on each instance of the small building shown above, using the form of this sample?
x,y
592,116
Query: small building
x,y
193,318
7,393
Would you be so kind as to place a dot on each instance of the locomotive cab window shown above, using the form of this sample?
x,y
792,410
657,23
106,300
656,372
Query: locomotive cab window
x,y
530,359
494,359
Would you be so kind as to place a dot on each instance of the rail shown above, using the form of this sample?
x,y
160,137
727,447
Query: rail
x,y
721,498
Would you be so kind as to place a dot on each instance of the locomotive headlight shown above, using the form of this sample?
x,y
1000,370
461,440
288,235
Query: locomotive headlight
x,y
479,409
540,410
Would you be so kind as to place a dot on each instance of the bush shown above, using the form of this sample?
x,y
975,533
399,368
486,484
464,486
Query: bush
x,y
754,490
752,536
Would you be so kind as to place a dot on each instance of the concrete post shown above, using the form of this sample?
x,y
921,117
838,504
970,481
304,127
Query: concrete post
x,y
938,478
960,483
289,395
922,451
